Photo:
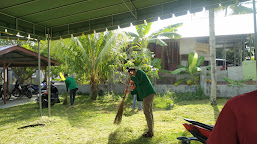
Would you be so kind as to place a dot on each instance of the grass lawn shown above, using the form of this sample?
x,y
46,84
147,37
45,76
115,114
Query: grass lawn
x,y
92,121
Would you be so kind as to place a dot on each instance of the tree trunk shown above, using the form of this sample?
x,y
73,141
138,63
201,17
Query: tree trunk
x,y
213,56
94,87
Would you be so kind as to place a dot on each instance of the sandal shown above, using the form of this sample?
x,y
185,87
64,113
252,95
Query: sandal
x,y
147,134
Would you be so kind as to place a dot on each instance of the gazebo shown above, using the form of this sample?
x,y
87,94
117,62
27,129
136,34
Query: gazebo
x,y
16,56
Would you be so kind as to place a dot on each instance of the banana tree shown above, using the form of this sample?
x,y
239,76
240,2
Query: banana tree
x,y
90,55
140,41
193,69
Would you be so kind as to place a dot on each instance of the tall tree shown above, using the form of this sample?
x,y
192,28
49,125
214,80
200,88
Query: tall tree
x,y
91,55
213,56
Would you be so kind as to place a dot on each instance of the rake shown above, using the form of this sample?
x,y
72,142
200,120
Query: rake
x,y
118,117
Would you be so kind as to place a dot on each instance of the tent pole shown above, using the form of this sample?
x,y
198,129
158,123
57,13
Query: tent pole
x,y
39,79
4,83
49,82
255,35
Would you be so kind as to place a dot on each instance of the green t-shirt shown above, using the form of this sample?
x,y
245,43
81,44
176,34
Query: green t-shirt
x,y
70,83
144,86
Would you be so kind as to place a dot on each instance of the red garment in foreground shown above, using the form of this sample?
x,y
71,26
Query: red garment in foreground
x,y
237,122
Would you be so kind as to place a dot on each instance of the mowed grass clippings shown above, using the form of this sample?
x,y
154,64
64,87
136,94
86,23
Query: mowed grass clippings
x,y
91,122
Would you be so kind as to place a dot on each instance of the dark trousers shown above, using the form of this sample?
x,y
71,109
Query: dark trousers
x,y
148,111
72,96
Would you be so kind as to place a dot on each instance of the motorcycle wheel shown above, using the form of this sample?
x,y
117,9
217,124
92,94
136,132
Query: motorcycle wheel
x,y
29,94
15,93
8,96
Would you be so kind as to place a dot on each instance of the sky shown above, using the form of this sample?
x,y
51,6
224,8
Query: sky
x,y
197,24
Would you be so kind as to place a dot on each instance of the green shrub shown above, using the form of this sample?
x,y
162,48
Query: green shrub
x,y
198,95
164,101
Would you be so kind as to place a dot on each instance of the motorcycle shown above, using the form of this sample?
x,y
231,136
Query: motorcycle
x,y
8,96
36,88
200,131
44,96
22,90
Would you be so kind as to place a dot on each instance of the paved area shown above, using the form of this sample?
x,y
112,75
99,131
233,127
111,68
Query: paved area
x,y
14,101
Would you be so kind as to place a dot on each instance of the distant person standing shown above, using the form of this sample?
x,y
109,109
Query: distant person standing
x,y
134,92
71,84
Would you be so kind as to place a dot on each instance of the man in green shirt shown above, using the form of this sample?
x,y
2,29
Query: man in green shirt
x,y
71,84
146,92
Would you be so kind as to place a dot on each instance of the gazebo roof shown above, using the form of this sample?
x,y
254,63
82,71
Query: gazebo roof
x,y
16,56
65,17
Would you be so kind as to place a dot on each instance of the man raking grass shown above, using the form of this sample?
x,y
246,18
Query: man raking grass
x,y
146,92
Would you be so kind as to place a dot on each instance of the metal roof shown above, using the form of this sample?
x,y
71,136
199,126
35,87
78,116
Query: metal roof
x,y
66,17
16,56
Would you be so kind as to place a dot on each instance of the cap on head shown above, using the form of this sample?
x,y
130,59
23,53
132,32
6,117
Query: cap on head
x,y
131,69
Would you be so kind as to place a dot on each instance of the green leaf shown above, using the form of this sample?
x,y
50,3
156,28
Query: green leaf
x,y
132,34
190,58
179,70
193,63
157,41
170,35
180,81
156,62
181,66
165,71
169,28
200,61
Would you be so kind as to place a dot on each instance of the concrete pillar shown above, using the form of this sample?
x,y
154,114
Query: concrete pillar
x,y
9,81
203,79
37,76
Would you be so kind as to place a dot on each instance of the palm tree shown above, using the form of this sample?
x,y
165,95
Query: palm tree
x,y
91,54
237,8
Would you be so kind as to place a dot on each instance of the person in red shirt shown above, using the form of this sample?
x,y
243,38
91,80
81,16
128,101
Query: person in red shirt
x,y
237,122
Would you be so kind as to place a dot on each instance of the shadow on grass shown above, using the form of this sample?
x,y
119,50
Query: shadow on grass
x,y
85,110
17,113
216,111
121,136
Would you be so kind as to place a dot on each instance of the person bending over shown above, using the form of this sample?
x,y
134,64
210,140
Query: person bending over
x,y
71,84
146,92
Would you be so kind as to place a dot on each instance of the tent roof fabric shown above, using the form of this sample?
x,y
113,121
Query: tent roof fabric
x,y
16,56
65,17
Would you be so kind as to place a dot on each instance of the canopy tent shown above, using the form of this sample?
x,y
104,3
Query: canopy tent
x,y
33,18
40,19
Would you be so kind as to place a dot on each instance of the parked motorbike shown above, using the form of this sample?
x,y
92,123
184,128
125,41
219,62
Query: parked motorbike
x,y
8,96
36,88
44,96
22,90
200,131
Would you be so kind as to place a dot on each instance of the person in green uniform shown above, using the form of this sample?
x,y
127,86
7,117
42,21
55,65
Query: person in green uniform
x,y
146,94
71,84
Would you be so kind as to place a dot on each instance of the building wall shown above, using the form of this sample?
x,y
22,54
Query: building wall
x,y
249,69
222,90
186,45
